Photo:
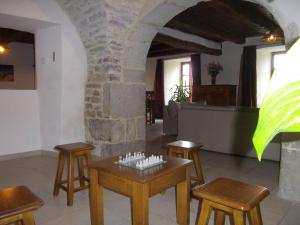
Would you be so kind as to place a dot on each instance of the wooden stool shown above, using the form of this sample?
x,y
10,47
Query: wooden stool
x,y
232,197
188,150
17,204
71,151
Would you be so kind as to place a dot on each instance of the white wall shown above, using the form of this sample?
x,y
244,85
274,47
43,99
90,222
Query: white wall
x,y
19,119
59,97
150,73
49,84
21,56
230,60
263,68
172,75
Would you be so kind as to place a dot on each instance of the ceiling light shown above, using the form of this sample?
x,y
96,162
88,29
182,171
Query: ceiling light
x,y
272,38
3,50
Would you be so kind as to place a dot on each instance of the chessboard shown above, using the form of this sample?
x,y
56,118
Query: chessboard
x,y
138,160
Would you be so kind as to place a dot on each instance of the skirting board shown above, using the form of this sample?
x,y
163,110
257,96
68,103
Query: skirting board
x,y
28,154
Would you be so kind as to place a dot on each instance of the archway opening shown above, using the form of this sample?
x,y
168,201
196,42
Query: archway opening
x,y
203,37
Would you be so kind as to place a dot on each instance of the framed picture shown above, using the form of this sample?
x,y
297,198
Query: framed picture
x,y
6,73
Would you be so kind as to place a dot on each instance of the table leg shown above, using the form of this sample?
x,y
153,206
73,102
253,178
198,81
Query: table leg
x,y
96,199
140,204
183,199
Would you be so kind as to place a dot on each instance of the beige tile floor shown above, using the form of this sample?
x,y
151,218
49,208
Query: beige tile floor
x,y
37,172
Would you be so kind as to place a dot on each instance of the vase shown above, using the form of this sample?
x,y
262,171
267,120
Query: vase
x,y
213,80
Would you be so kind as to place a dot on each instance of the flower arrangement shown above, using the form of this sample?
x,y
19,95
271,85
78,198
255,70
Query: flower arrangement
x,y
214,68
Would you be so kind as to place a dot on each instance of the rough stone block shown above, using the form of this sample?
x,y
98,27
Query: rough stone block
x,y
289,182
135,55
90,114
109,150
141,128
117,132
134,75
130,130
124,100
106,130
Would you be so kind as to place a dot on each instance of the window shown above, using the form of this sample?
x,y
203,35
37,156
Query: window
x,y
185,76
267,59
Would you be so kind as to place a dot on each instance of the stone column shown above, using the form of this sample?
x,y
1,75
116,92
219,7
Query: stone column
x,y
289,179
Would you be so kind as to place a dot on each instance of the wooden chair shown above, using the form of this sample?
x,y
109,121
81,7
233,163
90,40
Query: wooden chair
x,y
188,150
79,151
149,113
235,198
17,204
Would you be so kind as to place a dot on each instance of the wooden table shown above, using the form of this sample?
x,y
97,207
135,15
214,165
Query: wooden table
x,y
140,186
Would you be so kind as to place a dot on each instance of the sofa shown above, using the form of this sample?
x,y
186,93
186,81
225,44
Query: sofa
x,y
225,129
170,118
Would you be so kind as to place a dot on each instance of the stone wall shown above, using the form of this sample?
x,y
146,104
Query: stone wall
x,y
289,181
114,98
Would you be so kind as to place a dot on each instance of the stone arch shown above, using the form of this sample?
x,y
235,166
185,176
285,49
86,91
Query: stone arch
x,y
149,23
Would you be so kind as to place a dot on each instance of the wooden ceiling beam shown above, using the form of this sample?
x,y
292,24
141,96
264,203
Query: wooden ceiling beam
x,y
186,45
254,15
168,52
206,30
10,35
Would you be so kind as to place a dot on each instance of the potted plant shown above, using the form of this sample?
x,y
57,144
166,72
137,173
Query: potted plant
x,y
180,93
213,70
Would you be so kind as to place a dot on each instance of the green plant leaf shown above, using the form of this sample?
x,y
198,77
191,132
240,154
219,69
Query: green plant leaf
x,y
280,110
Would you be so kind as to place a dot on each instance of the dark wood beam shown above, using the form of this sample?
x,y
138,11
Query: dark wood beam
x,y
168,52
250,13
181,44
11,35
206,30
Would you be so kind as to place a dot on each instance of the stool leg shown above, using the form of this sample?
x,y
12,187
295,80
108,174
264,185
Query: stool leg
x,y
28,218
239,217
70,180
167,151
219,217
197,165
80,170
186,155
231,219
255,216
59,173
205,213
88,160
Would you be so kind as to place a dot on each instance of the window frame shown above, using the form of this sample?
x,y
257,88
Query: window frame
x,y
181,72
